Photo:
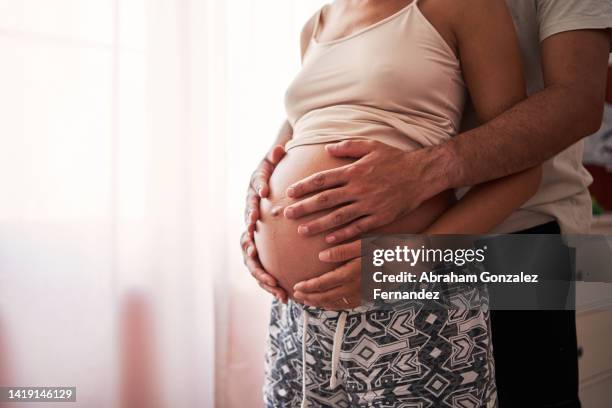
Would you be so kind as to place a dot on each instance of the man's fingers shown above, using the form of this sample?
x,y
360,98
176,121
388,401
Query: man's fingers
x,y
353,230
317,182
351,148
322,201
341,253
334,219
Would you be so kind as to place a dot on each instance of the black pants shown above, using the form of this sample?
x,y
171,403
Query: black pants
x,y
536,353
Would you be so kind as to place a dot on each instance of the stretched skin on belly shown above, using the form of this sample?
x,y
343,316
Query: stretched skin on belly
x,y
290,257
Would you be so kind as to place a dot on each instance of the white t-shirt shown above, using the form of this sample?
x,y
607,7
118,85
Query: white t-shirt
x,y
563,194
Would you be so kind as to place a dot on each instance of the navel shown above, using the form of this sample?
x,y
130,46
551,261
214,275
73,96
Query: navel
x,y
276,210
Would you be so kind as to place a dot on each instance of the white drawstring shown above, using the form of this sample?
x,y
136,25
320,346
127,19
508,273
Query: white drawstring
x,y
338,335
336,348
304,326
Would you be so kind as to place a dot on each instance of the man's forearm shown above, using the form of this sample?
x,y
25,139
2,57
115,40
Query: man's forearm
x,y
540,127
532,132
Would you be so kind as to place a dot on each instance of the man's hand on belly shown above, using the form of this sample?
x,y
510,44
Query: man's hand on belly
x,y
382,185
258,188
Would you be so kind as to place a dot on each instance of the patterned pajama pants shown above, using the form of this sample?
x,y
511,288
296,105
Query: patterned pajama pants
x,y
407,356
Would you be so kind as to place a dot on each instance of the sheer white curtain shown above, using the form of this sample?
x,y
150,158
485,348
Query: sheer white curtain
x,y
105,281
128,131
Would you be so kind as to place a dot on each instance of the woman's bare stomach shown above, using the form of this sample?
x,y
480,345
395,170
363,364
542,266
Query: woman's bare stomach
x,y
292,258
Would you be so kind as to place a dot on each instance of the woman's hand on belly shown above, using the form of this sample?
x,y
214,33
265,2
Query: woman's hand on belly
x,y
258,189
335,290
288,256
339,288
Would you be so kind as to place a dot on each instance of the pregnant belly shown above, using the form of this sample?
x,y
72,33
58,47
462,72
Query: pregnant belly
x,y
292,258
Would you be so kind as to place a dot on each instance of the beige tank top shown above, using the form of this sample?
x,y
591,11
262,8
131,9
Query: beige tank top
x,y
396,81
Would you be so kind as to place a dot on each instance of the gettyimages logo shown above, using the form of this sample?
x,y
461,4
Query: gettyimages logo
x,y
509,272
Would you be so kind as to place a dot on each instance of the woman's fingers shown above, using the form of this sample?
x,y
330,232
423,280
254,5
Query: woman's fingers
x,y
318,181
333,299
263,278
319,299
246,242
274,291
251,220
258,188
324,282
353,230
258,273
276,154
251,261
261,176
268,283
251,212
322,201
259,180
351,148
338,289
341,253
349,272
334,219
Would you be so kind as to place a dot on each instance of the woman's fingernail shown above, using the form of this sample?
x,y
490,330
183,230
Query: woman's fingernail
x,y
330,239
250,250
298,295
302,229
290,191
288,212
324,256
